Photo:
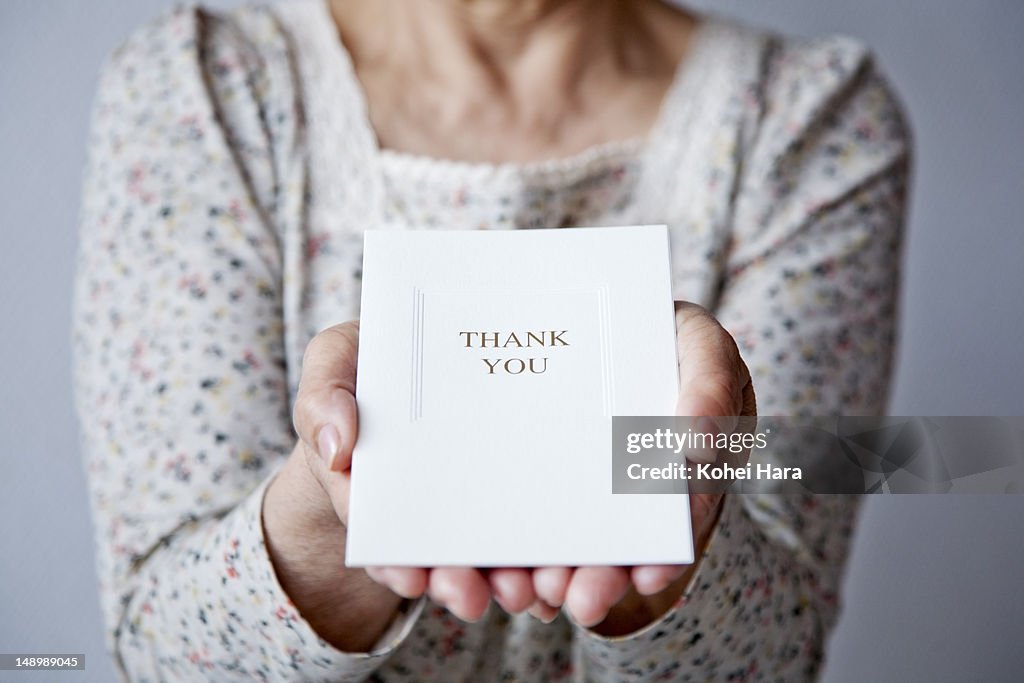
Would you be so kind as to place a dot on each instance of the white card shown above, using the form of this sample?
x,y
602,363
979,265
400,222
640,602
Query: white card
x,y
490,365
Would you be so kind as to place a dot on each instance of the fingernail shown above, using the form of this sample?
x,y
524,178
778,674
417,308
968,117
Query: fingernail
x,y
645,585
707,425
327,443
706,451
539,615
542,615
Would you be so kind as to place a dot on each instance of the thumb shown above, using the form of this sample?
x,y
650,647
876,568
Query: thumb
x,y
712,375
714,382
325,414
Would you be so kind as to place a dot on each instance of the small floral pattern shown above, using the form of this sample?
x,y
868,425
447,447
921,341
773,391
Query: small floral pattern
x,y
232,172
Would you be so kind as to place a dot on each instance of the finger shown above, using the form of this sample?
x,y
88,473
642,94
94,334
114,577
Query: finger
x,y
542,611
714,382
325,413
463,590
512,588
595,590
653,579
712,375
409,582
551,583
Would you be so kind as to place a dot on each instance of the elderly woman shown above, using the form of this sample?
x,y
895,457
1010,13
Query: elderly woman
x,y
236,160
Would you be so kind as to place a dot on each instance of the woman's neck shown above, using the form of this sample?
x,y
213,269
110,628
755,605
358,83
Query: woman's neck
x,y
530,68
508,47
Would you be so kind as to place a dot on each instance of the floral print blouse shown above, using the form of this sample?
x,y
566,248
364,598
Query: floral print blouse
x,y
232,173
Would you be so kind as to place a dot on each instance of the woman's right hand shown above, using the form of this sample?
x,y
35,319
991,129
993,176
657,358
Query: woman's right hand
x,y
306,510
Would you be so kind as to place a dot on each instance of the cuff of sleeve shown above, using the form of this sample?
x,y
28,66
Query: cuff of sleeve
x,y
705,601
286,638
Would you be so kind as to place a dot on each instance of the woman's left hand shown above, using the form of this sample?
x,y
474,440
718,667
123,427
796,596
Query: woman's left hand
x,y
713,381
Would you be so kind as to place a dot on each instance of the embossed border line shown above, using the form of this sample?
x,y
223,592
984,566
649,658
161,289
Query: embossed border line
x,y
607,366
416,395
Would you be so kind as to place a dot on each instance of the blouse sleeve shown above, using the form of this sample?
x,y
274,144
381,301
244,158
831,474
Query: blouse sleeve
x,y
180,371
810,295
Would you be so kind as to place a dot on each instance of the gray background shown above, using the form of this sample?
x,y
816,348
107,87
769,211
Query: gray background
x,y
933,592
